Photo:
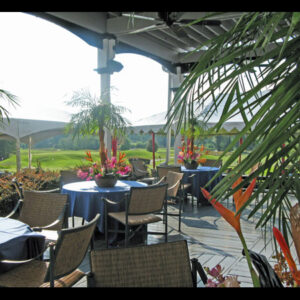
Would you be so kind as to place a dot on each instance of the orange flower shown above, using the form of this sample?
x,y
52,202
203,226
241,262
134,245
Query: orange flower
x,y
121,157
88,156
287,254
201,160
239,200
234,218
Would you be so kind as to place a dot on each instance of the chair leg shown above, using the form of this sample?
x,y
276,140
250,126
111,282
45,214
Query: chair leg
x,y
179,215
126,235
106,226
166,230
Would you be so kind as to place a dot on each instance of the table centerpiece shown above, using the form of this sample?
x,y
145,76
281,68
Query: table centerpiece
x,y
107,174
189,157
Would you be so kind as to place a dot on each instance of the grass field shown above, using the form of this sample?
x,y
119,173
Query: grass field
x,y
54,159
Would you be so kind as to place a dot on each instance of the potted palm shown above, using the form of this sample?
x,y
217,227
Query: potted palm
x,y
94,116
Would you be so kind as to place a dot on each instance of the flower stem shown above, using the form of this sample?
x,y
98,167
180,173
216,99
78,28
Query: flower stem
x,y
254,276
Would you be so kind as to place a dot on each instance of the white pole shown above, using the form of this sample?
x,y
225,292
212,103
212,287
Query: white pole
x,y
169,130
177,79
104,55
29,152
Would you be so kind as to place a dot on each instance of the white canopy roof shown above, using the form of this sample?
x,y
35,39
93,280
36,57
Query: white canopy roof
x,y
36,129
162,36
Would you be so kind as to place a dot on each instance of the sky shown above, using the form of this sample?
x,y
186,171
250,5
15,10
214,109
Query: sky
x,y
43,64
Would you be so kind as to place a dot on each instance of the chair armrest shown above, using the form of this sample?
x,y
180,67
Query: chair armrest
x,y
159,181
10,261
141,171
60,218
56,190
17,206
174,185
108,201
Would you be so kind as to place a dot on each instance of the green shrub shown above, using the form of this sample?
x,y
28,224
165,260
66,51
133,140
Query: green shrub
x,y
31,179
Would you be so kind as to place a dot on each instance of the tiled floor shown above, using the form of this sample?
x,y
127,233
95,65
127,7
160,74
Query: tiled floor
x,y
211,240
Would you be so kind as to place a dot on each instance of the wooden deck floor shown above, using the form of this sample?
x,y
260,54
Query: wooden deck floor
x,y
211,240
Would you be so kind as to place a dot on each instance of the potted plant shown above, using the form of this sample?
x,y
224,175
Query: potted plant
x,y
107,174
94,116
189,157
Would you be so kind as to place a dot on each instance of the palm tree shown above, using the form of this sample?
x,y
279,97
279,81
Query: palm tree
x,y
257,59
11,99
94,116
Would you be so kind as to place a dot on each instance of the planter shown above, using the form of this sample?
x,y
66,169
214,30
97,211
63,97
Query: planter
x,y
106,181
191,166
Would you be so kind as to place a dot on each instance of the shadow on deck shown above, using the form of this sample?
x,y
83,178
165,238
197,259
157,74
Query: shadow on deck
x,y
211,240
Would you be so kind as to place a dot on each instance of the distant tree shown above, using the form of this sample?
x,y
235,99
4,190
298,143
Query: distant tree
x,y
126,145
149,146
6,147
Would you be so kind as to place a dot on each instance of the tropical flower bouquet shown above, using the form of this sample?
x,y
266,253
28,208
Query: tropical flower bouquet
x,y
107,174
189,156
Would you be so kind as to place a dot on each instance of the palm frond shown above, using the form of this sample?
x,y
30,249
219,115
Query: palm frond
x,y
255,65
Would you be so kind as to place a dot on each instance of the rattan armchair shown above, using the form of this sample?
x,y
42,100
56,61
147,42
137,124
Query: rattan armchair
x,y
65,257
173,179
157,265
68,176
184,188
212,163
140,171
45,212
141,208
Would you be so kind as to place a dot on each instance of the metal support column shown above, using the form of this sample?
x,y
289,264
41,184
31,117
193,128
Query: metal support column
x,y
105,55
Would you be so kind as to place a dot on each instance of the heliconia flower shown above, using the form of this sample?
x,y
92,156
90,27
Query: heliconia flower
x,y
287,254
88,156
234,218
239,199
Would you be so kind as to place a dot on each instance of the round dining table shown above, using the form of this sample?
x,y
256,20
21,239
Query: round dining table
x,y
202,175
18,242
85,199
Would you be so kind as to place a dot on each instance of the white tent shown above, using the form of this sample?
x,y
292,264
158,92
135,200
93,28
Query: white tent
x,y
29,132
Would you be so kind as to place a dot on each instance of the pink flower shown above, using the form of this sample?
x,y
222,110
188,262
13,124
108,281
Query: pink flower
x,y
211,283
98,175
216,271
82,175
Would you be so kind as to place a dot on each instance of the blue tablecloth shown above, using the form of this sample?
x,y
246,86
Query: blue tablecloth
x,y
202,176
18,242
85,199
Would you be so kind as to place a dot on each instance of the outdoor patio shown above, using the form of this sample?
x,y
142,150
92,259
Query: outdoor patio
x,y
211,240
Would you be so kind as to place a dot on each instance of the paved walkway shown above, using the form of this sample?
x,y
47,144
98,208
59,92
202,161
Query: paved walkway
x,y
211,240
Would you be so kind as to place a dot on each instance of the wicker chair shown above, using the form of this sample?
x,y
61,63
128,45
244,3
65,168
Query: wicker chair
x,y
163,170
213,163
141,208
65,257
45,212
157,265
140,171
173,179
68,176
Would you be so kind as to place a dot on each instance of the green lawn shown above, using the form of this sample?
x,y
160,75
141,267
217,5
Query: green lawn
x,y
53,159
